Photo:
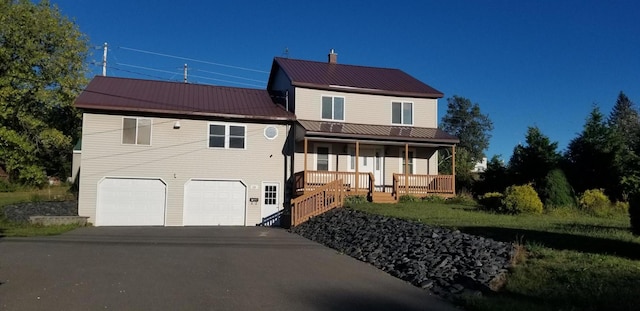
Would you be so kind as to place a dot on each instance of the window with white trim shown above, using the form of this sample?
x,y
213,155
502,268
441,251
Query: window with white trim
x,y
402,113
271,194
412,161
136,131
322,158
227,136
333,108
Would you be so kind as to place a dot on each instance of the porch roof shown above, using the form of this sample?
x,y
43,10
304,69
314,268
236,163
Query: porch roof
x,y
382,133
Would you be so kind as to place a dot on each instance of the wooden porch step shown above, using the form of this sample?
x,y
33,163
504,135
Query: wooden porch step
x,y
383,197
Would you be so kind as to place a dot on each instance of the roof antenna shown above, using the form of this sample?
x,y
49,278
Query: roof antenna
x,y
286,52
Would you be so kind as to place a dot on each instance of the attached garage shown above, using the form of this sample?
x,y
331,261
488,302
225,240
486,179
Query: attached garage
x,y
214,203
131,202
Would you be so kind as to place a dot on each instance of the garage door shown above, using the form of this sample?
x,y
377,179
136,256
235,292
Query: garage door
x,y
214,203
131,202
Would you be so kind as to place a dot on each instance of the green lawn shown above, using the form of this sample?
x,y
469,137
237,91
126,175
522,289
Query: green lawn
x,y
10,229
574,262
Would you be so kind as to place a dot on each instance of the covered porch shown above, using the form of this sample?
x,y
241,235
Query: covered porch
x,y
380,167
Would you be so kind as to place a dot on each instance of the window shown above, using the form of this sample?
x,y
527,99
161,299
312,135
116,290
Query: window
x,y
322,159
402,113
333,108
411,162
270,194
136,131
227,136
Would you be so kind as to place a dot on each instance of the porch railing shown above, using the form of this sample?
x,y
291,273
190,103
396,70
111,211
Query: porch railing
x,y
422,184
322,199
315,179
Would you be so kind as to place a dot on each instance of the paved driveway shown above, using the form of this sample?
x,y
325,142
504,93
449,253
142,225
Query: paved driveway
x,y
223,268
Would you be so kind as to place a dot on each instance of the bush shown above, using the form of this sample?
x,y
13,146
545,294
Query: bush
x,y
634,213
595,202
354,199
556,191
434,199
521,199
5,186
408,199
492,201
463,199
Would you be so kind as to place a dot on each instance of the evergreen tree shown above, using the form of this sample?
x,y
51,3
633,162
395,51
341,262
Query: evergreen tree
x,y
533,161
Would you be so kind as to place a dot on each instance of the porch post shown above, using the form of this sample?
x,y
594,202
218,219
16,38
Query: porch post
x,y
357,164
304,176
406,169
453,168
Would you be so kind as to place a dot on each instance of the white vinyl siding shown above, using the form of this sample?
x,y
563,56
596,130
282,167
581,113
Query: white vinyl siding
x,y
177,156
402,113
365,108
333,108
136,131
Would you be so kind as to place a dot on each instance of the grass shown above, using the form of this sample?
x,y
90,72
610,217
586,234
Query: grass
x,y
575,261
11,229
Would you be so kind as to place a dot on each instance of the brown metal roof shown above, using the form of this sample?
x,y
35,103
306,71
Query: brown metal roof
x,y
125,94
377,132
350,78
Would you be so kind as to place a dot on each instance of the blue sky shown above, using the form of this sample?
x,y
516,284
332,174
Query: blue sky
x,y
543,63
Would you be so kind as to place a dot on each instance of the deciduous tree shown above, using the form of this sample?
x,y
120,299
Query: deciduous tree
x,y
42,69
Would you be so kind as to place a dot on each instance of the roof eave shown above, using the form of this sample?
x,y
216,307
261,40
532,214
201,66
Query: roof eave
x,y
447,142
366,91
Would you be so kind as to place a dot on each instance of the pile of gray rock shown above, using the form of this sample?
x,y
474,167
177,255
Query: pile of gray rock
x,y
446,262
22,211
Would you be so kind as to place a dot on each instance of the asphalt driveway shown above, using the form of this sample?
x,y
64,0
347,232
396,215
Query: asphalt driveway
x,y
213,268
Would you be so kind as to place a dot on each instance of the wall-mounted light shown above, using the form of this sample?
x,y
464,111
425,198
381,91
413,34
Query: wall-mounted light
x,y
176,125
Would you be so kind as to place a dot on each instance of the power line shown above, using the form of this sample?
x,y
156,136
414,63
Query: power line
x,y
201,77
230,76
192,59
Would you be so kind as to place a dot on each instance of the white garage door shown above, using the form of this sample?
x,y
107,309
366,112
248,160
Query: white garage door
x,y
214,203
131,202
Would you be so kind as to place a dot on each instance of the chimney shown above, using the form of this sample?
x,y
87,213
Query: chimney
x,y
333,57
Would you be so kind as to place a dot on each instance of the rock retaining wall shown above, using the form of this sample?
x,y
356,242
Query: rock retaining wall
x,y
22,211
446,262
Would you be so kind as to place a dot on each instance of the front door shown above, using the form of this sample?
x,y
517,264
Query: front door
x,y
269,198
372,161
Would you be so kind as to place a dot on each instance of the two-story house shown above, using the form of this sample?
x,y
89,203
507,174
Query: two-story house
x,y
176,154
374,128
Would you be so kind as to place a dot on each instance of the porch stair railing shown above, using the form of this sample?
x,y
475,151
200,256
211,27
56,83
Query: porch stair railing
x,y
320,200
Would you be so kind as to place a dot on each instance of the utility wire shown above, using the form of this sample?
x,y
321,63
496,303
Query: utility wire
x,y
230,76
201,77
192,59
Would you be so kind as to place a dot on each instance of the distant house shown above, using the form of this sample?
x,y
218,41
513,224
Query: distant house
x,y
176,154
480,167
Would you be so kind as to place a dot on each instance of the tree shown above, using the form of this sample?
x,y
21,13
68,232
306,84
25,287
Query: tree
x,y
591,156
495,178
42,70
473,128
624,120
624,125
532,162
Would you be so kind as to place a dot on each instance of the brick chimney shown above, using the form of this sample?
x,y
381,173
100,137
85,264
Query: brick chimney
x,y
333,57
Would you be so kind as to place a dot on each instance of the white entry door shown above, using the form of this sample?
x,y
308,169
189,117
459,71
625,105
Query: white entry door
x,y
270,204
371,161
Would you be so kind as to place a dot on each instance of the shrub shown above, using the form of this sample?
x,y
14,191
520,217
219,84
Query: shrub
x,y
556,191
354,199
5,186
434,199
461,198
521,199
634,213
595,202
408,199
492,201
621,207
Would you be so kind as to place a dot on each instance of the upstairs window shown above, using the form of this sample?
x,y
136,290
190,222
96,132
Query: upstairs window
x,y
402,113
227,136
333,108
136,131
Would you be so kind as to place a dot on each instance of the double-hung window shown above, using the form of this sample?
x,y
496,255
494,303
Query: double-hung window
x,y
227,136
136,131
333,108
402,113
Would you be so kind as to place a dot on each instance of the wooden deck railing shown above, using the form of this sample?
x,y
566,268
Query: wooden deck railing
x,y
423,184
315,179
320,200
